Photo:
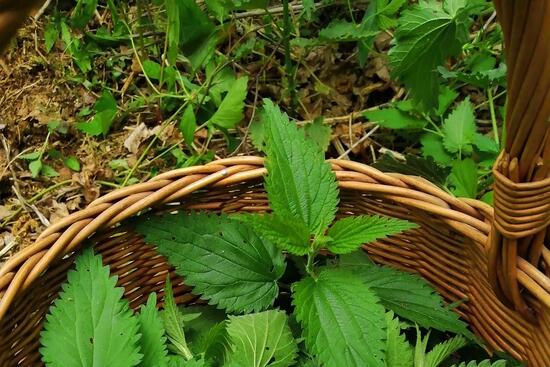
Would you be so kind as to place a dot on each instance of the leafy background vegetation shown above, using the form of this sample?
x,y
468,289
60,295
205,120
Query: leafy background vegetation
x,y
98,95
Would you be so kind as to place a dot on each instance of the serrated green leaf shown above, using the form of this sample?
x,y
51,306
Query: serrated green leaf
x,y
223,259
488,197
464,178
256,132
343,323
106,110
486,144
172,34
426,35
262,339
442,351
188,124
319,133
445,99
207,332
30,156
230,111
173,324
399,353
153,341
413,165
459,128
48,171
90,324
408,295
432,146
289,235
344,31
83,12
394,118
349,233
484,363
51,34
35,167
72,163
300,185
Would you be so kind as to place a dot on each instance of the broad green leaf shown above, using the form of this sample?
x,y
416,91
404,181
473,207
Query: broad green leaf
x,y
289,235
72,163
197,34
446,98
224,260
153,341
427,34
408,295
459,129
488,197
188,124
394,118
230,111
432,146
464,178
319,133
442,351
173,32
300,185
485,363
207,332
486,144
262,339
106,110
30,156
51,34
343,31
35,167
173,323
48,171
349,233
399,352
90,324
413,165
343,323
152,69
83,12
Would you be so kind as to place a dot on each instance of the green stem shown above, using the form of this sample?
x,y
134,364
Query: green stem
x,y
309,265
493,115
288,60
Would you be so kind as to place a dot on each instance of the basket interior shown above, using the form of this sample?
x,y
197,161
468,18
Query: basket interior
x,y
436,250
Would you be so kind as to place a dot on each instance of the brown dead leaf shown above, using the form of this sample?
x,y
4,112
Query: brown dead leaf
x,y
58,211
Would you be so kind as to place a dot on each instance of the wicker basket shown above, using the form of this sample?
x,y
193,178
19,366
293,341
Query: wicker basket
x,y
497,260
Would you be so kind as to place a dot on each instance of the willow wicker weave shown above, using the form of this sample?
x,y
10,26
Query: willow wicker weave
x,y
498,261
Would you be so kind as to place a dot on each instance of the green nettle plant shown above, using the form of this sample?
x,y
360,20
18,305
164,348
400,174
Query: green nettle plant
x,y
274,298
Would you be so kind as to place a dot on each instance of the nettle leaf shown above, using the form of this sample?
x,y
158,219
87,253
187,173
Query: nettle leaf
x,y
90,324
349,233
205,327
173,323
300,184
289,235
230,111
486,144
464,178
484,363
432,146
459,129
440,352
197,34
262,339
413,165
153,341
188,124
319,133
408,295
394,118
427,34
106,110
344,31
399,353
343,323
223,259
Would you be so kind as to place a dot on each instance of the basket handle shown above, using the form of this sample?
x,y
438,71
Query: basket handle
x,y
521,231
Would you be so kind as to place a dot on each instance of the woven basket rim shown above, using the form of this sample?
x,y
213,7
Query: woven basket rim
x,y
469,217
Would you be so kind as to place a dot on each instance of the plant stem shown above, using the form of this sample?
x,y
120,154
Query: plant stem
x,y
309,265
493,115
288,61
